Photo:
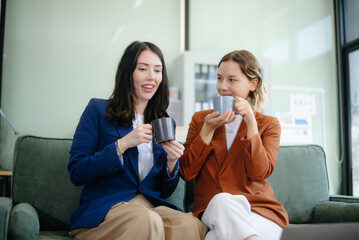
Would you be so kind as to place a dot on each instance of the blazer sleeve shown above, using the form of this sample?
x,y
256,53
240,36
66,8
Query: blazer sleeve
x,y
196,150
260,152
170,183
87,162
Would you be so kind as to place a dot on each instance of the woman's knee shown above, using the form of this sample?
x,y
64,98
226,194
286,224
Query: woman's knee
x,y
150,218
220,197
142,220
220,200
225,201
148,225
192,226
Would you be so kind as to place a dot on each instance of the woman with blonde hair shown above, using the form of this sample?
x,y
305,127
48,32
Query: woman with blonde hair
x,y
231,156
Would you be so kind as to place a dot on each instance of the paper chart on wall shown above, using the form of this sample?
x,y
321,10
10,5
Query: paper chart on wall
x,y
301,112
297,124
296,128
302,103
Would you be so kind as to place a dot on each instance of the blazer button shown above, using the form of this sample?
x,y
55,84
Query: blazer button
x,y
115,168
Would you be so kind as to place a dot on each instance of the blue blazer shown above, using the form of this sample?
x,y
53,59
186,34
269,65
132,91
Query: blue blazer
x,y
95,164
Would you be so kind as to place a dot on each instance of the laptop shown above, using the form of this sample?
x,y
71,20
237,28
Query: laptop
x,y
328,231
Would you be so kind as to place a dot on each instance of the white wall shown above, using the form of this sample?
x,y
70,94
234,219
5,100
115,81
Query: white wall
x,y
59,54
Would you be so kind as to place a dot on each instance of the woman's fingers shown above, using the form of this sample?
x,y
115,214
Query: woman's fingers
x,y
174,149
244,109
227,117
211,116
141,134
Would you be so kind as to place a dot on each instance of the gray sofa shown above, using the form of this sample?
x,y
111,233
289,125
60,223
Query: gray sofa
x,y
43,197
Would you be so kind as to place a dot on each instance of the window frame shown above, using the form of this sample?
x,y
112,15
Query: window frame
x,y
344,48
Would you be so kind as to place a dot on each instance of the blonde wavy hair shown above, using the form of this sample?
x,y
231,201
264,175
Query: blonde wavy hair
x,y
252,69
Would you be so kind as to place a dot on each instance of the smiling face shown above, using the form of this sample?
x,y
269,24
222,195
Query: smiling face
x,y
147,76
231,81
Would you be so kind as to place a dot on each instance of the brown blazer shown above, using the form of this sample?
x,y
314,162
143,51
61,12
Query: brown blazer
x,y
242,170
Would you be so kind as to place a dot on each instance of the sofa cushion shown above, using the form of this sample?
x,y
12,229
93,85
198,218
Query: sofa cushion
x,y
300,180
54,235
178,195
40,178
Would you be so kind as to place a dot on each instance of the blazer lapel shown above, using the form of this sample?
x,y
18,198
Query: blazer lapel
x,y
236,146
219,144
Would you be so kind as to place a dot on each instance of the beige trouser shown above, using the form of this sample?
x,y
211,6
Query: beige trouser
x,y
138,219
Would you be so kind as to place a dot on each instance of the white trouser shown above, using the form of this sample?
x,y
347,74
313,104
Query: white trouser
x,y
230,217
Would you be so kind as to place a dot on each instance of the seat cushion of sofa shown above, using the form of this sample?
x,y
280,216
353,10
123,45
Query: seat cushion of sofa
x,y
54,235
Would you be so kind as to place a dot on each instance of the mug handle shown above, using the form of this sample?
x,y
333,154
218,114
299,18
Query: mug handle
x,y
174,123
153,132
234,110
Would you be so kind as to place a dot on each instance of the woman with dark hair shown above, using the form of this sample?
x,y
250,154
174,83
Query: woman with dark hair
x,y
125,174
121,106
232,196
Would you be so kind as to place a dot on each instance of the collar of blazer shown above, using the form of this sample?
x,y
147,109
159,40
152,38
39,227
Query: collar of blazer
x,y
219,137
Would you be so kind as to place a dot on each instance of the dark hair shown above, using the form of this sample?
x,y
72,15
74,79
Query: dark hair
x,y
252,69
121,103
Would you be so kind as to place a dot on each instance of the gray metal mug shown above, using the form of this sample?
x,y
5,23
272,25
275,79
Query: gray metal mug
x,y
164,129
222,103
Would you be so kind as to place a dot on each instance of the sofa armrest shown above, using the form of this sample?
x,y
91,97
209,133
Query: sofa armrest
x,y
5,207
344,198
24,222
339,208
